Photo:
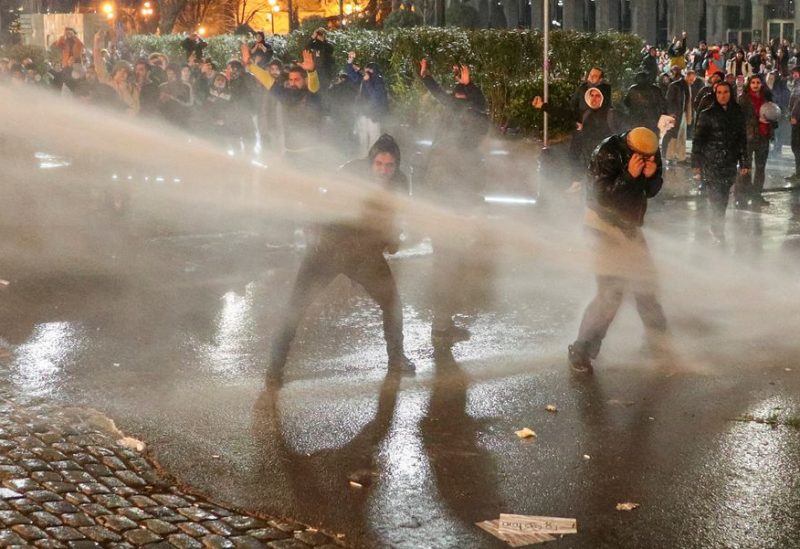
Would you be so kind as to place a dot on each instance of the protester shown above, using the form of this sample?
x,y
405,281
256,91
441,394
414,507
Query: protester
x,y
759,133
455,174
718,149
626,170
372,100
356,251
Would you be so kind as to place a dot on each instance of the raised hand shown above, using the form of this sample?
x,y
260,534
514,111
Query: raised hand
x,y
423,67
463,75
308,61
245,53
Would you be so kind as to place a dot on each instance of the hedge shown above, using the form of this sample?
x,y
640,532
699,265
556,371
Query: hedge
x,y
506,64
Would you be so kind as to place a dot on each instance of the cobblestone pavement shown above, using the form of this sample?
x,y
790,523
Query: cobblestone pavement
x,y
67,483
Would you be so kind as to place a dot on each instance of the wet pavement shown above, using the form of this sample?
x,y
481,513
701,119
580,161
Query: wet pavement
x,y
69,480
174,351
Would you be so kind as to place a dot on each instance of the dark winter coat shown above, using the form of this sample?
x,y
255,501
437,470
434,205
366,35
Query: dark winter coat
x,y
677,97
616,196
375,231
194,47
579,106
466,121
323,59
751,117
597,125
719,144
372,99
645,103
705,98
650,66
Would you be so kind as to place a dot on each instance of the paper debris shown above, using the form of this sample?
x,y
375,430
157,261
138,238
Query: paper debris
x,y
4,283
551,408
787,369
513,540
355,484
587,457
132,443
215,456
526,524
627,506
525,433
615,402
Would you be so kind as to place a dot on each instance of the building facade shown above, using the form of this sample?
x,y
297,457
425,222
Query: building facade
x,y
658,21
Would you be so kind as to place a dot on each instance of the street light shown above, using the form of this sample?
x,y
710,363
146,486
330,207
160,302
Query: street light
x,y
147,9
108,9
275,10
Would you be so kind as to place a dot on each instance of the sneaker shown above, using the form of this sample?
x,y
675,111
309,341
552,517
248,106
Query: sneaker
x,y
579,359
401,364
451,334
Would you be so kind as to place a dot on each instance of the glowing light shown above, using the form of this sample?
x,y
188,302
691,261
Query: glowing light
x,y
509,200
201,31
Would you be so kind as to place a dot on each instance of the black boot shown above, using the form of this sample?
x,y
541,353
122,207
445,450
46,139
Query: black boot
x,y
580,358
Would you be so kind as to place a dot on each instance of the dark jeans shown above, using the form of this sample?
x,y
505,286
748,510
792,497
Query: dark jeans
x,y
318,269
759,149
611,289
718,190
796,148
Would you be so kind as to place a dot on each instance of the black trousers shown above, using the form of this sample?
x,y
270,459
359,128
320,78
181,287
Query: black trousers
x,y
757,149
318,269
718,190
796,147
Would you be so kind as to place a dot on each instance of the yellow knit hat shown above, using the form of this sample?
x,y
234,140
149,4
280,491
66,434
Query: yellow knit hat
x,y
642,141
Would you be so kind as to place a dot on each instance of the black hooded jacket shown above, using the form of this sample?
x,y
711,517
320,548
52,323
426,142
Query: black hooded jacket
x,y
466,122
644,102
719,142
616,196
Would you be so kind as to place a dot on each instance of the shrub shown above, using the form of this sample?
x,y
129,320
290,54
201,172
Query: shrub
x,y
312,23
506,64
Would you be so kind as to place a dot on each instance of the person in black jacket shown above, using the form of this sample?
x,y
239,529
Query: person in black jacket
x,y
650,63
627,172
454,176
759,133
673,146
644,103
194,45
356,251
718,148
323,56
595,78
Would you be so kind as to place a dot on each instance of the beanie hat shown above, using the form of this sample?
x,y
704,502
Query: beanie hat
x,y
643,141
385,144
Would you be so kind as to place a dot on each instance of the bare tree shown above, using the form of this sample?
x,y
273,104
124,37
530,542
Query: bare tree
x,y
246,10
168,11
213,13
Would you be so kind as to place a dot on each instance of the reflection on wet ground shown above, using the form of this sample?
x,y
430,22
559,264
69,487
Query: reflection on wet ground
x,y
174,350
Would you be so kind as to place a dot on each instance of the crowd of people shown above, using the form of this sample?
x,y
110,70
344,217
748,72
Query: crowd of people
x,y
732,103
255,100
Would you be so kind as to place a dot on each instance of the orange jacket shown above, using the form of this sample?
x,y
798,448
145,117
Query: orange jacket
x,y
70,50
